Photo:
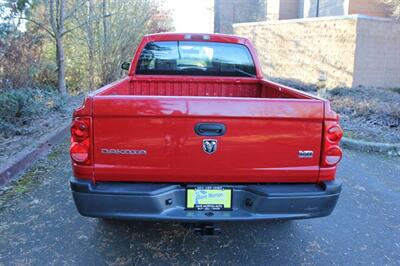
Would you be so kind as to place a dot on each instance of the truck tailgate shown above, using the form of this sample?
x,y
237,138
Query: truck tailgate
x,y
153,139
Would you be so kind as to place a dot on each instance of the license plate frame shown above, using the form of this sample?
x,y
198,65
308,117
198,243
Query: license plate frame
x,y
209,198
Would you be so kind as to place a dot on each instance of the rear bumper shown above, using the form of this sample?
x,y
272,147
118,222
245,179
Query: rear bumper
x,y
152,201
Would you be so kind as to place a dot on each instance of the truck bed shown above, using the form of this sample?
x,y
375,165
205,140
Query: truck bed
x,y
202,86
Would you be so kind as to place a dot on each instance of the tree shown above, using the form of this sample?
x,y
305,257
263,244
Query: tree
x,y
57,13
113,29
57,21
121,31
394,5
160,21
20,52
105,34
87,18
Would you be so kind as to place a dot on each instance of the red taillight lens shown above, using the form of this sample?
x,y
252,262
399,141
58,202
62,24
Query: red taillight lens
x,y
333,156
80,140
79,130
334,133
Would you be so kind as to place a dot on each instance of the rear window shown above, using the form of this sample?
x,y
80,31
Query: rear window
x,y
196,58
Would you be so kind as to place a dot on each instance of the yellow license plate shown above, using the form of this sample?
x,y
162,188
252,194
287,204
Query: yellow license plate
x,y
208,198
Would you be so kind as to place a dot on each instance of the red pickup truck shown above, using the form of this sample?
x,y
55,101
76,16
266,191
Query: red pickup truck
x,y
194,133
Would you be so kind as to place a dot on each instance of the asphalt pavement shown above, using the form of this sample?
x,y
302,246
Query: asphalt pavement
x,y
39,225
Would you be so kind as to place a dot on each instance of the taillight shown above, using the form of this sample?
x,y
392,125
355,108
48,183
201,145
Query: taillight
x,y
80,140
332,154
79,130
334,133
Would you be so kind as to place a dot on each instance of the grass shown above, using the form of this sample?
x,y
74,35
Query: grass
x,y
32,177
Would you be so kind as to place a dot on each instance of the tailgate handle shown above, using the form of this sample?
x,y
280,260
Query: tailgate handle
x,y
210,129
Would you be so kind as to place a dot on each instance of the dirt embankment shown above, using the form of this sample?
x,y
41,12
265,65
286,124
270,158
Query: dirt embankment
x,y
25,136
369,114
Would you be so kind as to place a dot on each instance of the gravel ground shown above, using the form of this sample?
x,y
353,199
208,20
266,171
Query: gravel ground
x,y
39,225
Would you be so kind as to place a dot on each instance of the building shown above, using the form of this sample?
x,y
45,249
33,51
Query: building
x,y
228,12
323,8
344,51
339,43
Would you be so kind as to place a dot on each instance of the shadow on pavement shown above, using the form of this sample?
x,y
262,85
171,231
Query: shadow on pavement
x,y
176,242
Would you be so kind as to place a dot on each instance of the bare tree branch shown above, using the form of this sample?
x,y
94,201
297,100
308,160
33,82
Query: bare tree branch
x,y
82,25
51,16
75,9
39,24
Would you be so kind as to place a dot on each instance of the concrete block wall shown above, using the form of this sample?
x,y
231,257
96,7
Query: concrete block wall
x,y
305,50
377,61
344,51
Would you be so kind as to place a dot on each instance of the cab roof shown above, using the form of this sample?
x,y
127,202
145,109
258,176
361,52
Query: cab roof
x,y
212,37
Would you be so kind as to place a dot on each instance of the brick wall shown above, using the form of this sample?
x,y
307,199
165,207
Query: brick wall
x,y
344,51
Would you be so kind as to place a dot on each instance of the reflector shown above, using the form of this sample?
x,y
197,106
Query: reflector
x,y
79,152
333,156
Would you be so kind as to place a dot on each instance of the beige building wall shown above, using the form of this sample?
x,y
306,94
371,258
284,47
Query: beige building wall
x,y
333,7
308,8
344,52
282,9
377,61
273,9
326,8
288,9
227,12
305,50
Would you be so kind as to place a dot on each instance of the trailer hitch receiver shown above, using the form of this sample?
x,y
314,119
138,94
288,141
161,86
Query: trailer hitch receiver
x,y
207,229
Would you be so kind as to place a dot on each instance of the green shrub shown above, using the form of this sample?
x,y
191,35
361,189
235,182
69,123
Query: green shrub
x,y
19,107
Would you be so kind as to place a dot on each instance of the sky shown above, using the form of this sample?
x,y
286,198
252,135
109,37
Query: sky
x,y
194,16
